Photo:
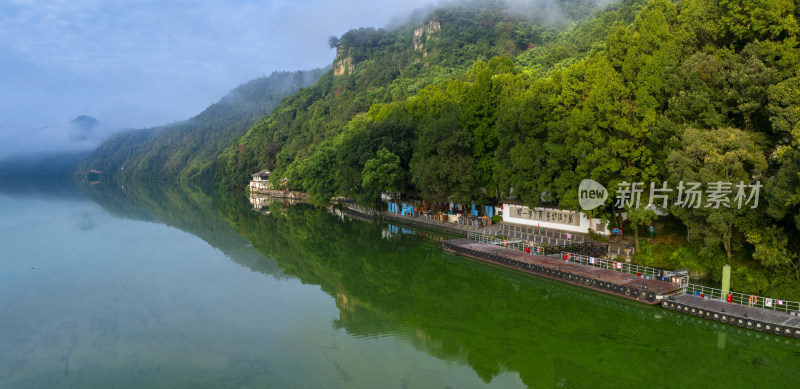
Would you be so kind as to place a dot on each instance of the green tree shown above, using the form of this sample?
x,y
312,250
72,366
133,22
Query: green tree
x,y
333,41
609,135
725,155
771,246
700,24
442,166
746,21
319,176
382,174
640,216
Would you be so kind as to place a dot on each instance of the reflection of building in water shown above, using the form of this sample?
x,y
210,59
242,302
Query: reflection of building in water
x,y
261,202
391,230
350,212
336,211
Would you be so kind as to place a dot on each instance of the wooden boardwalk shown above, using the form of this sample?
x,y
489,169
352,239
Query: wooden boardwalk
x,y
605,280
759,319
629,286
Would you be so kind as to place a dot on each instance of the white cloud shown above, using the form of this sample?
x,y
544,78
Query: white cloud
x,y
162,61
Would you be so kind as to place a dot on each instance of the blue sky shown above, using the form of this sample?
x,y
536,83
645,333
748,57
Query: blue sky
x,y
141,63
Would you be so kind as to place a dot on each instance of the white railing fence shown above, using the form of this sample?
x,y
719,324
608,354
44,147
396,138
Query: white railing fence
x,y
681,280
516,244
744,299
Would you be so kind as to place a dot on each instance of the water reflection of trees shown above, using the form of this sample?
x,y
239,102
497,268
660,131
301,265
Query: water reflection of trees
x,y
190,208
386,283
490,319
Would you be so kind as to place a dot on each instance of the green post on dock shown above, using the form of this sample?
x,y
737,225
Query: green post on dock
x,y
726,280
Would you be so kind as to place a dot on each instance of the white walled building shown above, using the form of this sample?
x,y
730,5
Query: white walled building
x,y
260,181
553,218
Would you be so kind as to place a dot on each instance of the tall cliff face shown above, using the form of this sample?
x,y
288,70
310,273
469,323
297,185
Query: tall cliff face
x,y
343,64
426,33
345,61
373,67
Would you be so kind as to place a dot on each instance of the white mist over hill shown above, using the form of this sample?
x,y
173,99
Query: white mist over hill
x,y
139,64
82,133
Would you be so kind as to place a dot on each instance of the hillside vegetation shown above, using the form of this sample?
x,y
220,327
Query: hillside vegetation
x,y
383,66
187,150
478,103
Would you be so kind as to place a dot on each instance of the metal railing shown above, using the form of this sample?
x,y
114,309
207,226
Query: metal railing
x,y
517,244
744,299
590,249
539,233
643,271
680,280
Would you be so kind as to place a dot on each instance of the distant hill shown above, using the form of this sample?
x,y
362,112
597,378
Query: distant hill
x,y
187,150
84,121
82,127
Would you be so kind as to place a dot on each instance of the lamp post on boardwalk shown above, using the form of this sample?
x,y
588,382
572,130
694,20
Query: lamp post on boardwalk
x,y
726,280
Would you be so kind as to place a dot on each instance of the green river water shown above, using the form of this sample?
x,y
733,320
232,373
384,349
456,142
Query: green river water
x,y
113,286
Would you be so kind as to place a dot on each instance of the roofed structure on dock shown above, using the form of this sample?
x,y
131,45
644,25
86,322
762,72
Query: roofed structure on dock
x,y
261,175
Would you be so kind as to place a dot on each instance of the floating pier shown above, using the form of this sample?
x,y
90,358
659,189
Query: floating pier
x,y
646,289
630,286
754,318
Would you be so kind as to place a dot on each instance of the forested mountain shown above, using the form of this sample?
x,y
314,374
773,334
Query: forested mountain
x,y
375,66
188,149
481,101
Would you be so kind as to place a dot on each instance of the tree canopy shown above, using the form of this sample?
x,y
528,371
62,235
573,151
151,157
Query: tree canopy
x,y
475,104
489,101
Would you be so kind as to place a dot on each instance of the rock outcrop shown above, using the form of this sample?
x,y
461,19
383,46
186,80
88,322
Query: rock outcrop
x,y
425,33
343,63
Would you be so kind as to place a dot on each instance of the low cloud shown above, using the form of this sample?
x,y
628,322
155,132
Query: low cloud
x,y
142,63
80,134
